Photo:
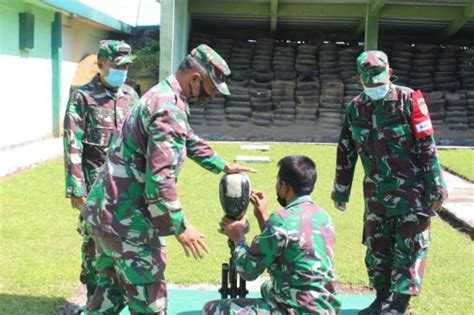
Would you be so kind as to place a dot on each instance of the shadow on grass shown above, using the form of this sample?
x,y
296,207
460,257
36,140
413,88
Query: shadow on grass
x,y
456,223
23,304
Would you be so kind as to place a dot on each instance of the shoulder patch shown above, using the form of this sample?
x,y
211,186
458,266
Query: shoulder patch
x,y
420,119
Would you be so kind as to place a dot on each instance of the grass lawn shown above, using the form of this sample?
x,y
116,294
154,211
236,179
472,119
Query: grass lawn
x,y
461,161
40,248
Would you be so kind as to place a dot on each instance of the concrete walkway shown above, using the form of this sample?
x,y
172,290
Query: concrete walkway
x,y
461,192
461,199
29,155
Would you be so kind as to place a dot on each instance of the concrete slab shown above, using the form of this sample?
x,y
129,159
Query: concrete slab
x,y
15,159
461,198
255,147
190,302
252,159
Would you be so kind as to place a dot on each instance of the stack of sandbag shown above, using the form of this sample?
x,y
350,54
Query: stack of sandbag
x,y
456,111
423,66
445,77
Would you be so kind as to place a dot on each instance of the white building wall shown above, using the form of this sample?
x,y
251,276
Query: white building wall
x,y
25,80
26,76
79,40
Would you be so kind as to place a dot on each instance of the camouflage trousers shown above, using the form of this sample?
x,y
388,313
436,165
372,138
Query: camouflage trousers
x,y
241,306
397,248
127,274
88,274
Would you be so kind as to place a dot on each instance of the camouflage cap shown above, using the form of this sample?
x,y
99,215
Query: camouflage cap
x,y
116,51
373,67
216,66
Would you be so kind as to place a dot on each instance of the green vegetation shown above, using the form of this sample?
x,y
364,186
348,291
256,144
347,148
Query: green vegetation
x,y
460,161
40,248
147,61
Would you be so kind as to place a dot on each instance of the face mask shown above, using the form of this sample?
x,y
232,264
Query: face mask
x,y
378,92
281,200
200,99
116,77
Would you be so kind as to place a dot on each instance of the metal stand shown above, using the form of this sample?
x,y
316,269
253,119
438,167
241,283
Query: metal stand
x,y
229,287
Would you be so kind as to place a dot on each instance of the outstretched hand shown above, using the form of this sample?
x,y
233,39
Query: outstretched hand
x,y
231,168
193,242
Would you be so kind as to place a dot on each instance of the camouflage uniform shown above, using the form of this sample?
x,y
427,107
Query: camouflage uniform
x,y
93,115
134,200
402,178
296,246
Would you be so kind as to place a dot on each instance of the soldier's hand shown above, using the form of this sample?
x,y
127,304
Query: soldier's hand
x,y
234,229
231,168
436,205
259,201
340,205
77,202
193,242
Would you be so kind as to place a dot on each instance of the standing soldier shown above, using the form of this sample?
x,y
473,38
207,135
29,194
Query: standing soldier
x,y
389,127
94,114
134,199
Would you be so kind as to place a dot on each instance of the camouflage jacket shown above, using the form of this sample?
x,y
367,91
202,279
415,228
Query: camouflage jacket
x,y
135,194
401,170
296,246
93,115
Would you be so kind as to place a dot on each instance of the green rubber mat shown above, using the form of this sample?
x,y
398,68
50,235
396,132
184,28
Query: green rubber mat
x,y
190,302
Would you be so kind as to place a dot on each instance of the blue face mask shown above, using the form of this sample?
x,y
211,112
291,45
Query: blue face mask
x,y
116,77
378,92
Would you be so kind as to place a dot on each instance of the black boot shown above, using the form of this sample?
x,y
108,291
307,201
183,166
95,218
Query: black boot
x,y
398,305
382,298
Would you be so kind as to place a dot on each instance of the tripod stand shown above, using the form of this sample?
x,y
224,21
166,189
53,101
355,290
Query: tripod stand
x,y
229,286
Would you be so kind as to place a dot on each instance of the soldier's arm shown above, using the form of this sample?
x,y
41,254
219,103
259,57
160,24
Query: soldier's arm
x,y
436,189
252,261
345,163
201,153
74,127
166,141
328,234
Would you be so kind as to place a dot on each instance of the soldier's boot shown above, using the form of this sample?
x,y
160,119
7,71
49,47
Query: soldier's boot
x,y
398,305
382,298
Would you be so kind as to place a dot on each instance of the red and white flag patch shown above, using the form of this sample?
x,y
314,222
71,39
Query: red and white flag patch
x,y
420,119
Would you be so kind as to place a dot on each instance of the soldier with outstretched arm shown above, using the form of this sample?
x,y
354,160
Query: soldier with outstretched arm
x,y
134,201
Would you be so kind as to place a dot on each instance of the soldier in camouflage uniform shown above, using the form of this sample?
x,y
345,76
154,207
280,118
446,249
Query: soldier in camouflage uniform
x,y
94,113
134,199
389,127
295,246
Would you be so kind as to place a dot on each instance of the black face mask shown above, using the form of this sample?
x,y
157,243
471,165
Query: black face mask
x,y
200,99
281,200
